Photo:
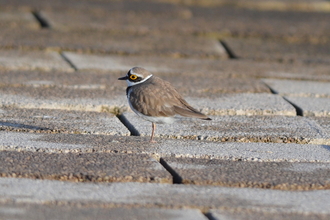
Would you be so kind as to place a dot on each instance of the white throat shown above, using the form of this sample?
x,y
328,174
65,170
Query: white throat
x,y
129,83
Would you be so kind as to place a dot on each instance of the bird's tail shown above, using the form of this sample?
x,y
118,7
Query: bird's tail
x,y
190,112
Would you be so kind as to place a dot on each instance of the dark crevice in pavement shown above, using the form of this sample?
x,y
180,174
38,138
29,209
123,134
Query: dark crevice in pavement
x,y
299,111
209,216
177,179
229,51
68,61
128,125
270,89
41,19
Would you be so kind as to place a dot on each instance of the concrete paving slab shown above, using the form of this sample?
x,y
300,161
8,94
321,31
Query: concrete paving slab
x,y
145,16
299,88
90,90
61,121
101,62
74,80
62,103
197,68
53,212
75,99
154,43
292,5
138,16
224,73
238,104
268,175
163,195
97,84
17,19
80,90
244,104
309,106
178,71
48,94
31,60
303,75
278,129
87,167
217,214
233,151
324,122
281,5
279,50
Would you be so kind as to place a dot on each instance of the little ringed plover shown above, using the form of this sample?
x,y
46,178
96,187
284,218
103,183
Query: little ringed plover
x,y
156,100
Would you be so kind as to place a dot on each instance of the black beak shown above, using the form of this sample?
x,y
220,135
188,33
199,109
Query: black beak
x,y
123,78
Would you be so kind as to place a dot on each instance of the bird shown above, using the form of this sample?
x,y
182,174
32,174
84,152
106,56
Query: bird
x,y
155,99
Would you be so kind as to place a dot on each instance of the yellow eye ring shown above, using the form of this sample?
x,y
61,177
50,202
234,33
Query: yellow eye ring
x,y
133,77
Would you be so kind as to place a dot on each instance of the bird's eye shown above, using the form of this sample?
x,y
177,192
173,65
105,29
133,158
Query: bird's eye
x,y
133,77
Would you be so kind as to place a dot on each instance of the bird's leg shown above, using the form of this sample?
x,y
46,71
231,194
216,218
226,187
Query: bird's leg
x,y
152,133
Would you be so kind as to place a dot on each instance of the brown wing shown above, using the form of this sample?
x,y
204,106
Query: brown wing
x,y
158,98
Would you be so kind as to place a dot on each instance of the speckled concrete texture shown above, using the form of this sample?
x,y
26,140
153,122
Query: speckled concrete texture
x,y
71,148
52,212
268,175
164,195
95,167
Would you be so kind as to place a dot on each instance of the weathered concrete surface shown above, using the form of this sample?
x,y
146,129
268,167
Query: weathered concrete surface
x,y
64,212
279,50
218,214
163,195
302,74
16,19
277,129
50,120
60,64
120,43
309,106
66,101
104,84
268,175
150,16
278,5
95,167
299,88
52,212
83,80
31,60
324,122
240,104
233,151
244,104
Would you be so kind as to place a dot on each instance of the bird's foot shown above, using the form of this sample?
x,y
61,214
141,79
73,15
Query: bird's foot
x,y
152,141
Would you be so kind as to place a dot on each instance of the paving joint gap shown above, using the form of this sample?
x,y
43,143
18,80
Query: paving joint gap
x,y
128,125
270,88
177,179
66,59
299,111
41,19
209,216
229,51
